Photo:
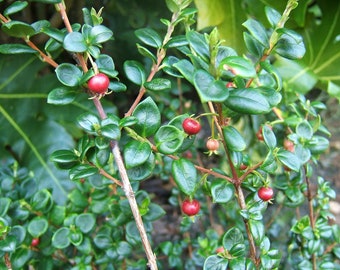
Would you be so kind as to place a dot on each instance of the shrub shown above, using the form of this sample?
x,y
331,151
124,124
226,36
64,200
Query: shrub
x,y
74,184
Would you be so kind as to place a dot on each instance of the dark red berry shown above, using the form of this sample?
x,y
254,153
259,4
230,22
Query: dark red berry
x,y
191,126
212,144
288,145
35,242
191,208
265,193
243,167
99,83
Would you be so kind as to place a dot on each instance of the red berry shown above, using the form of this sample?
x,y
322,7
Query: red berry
x,y
259,134
99,83
288,145
191,126
265,193
35,242
191,208
212,144
220,250
243,167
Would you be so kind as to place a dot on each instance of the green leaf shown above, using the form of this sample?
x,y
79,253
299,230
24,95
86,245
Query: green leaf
x,y
149,37
318,145
4,205
100,34
185,176
68,74
290,45
143,171
42,201
82,171
289,159
238,66
135,72
106,65
117,87
136,153
177,41
61,96
186,69
57,215
272,15
89,122
154,212
247,101
232,237
258,31
20,258
110,131
47,1
18,29
222,191
148,117
208,88
8,244
60,238
269,165
37,226
15,7
15,49
269,136
257,230
233,139
85,222
75,42
215,262
64,156
158,84
304,130
168,139
199,44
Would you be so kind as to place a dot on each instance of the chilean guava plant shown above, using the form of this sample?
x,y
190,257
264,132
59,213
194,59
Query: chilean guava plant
x,y
207,129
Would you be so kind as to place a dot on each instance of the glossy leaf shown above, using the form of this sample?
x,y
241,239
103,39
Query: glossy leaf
x,y
185,176
18,29
82,171
143,171
289,159
208,88
272,15
106,65
146,52
60,238
85,222
215,262
75,42
135,72
158,84
269,136
15,7
136,153
61,96
290,45
149,37
15,49
248,101
186,69
100,34
232,237
222,191
148,117
257,30
8,244
20,258
257,230
199,44
169,139
4,205
37,226
304,130
110,131
68,74
238,66
233,139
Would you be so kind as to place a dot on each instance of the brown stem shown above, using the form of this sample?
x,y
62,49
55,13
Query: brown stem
x,y
7,261
43,56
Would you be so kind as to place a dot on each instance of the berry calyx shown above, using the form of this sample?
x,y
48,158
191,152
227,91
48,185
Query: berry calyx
x,y
99,83
35,242
212,144
191,126
191,207
265,193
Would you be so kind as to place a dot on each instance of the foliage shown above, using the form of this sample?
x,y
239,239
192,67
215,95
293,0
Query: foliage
x,y
75,169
